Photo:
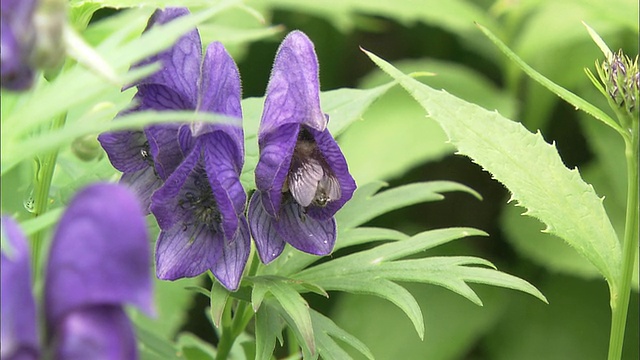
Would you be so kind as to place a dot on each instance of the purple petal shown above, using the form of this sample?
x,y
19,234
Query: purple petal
x,y
224,176
98,332
187,250
305,233
160,97
276,149
142,183
268,243
165,202
17,39
338,164
293,93
181,63
18,332
220,92
127,150
230,265
99,254
164,148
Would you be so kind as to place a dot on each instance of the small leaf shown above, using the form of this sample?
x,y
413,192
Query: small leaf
x,y
325,329
219,296
268,328
294,309
195,348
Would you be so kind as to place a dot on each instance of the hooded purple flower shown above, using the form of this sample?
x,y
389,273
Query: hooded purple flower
x,y
94,268
200,206
17,32
147,158
302,176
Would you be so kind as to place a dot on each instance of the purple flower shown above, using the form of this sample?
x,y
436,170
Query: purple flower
x,y
17,43
98,261
302,176
147,158
200,206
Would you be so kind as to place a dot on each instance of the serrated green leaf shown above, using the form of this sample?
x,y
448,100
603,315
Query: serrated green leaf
x,y
268,328
573,99
219,296
529,167
325,330
363,207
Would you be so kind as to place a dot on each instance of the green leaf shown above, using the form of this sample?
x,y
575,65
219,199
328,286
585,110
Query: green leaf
x,y
268,328
384,289
573,99
295,309
325,330
152,346
529,167
219,297
194,348
364,207
454,326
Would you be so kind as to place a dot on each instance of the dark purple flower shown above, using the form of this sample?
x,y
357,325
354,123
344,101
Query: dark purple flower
x,y
98,261
302,176
147,158
201,204
18,332
17,32
200,207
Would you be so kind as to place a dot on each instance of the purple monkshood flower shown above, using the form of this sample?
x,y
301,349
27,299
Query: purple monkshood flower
x,y
17,33
147,158
190,173
302,178
98,261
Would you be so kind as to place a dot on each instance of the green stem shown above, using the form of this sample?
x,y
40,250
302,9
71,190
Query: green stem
x,y
620,303
41,194
231,329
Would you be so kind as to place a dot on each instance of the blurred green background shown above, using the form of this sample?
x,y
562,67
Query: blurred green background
x,y
395,142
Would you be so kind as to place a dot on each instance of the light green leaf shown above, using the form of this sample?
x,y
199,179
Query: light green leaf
x,y
268,328
325,330
151,346
295,309
194,348
529,167
219,297
384,289
363,235
364,207
454,326
573,99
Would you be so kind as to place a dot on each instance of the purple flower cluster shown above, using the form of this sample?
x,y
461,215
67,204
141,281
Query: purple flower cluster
x,y
98,261
188,175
